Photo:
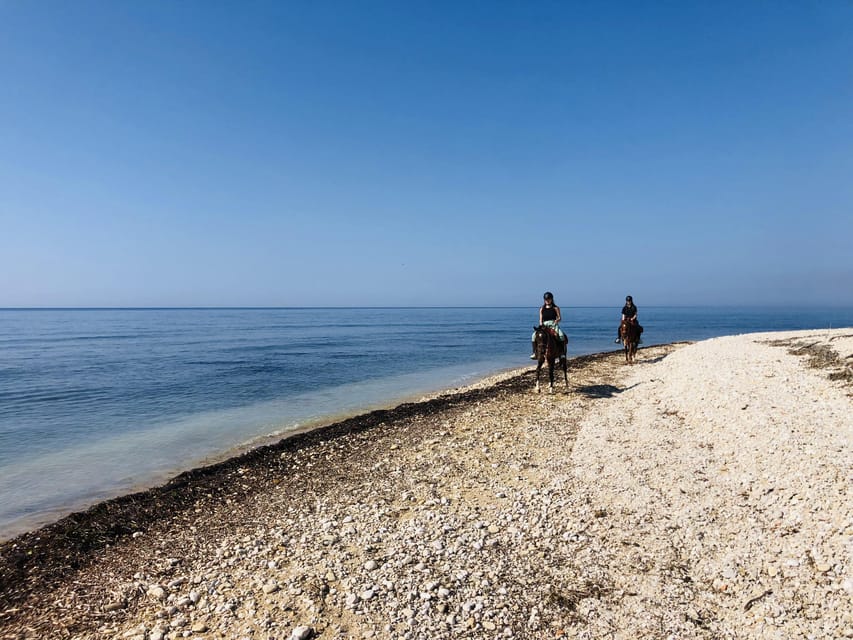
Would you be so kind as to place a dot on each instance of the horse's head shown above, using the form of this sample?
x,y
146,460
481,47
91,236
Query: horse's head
x,y
540,338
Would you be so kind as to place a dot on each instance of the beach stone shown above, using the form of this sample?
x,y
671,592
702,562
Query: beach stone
x,y
352,599
157,592
301,633
371,565
178,622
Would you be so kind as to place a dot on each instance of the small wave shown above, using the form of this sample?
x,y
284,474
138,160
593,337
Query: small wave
x,y
49,395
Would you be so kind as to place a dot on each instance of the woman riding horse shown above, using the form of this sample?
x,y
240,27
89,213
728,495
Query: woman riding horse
x,y
629,312
549,315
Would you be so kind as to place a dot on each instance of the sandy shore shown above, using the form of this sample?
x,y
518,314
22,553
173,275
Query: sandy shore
x,y
701,493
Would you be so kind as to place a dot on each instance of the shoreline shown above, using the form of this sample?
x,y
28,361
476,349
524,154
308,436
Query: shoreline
x,y
491,494
159,478
337,423
133,505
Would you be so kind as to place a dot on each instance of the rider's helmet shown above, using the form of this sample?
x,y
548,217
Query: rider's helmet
x,y
548,295
629,299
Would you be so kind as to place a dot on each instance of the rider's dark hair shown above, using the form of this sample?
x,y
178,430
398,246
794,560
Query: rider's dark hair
x,y
548,295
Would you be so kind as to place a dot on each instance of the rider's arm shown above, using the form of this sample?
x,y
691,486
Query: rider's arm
x,y
559,317
540,315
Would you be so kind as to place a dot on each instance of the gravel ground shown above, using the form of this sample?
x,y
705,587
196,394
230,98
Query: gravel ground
x,y
702,493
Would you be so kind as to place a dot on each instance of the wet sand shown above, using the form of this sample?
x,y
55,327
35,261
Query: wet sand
x,y
613,508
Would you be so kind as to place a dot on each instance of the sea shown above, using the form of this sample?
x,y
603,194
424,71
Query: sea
x,y
96,403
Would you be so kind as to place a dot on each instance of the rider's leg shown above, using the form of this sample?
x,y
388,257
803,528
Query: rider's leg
x,y
564,339
533,350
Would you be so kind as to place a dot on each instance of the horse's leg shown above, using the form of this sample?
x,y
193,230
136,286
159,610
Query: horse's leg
x,y
565,370
551,374
538,369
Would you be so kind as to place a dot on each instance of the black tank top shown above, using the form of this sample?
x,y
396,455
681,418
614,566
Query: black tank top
x,y
548,313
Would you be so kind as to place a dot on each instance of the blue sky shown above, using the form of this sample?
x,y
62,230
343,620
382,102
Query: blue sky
x,y
430,153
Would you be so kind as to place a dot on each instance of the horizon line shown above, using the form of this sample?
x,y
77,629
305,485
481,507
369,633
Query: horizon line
x,y
308,307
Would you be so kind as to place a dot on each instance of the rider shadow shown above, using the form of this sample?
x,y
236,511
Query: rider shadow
x,y
597,391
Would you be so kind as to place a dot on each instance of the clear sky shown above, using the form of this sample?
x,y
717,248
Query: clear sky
x,y
162,153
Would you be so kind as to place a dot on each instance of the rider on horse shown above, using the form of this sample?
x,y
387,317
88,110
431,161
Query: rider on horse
x,y
549,315
629,312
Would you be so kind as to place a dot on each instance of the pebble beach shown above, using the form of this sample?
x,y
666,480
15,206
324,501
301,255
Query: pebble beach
x,y
703,492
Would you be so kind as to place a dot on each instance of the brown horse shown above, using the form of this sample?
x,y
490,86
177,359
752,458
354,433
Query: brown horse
x,y
629,332
549,347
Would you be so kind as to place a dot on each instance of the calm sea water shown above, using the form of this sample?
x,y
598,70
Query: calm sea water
x,y
99,402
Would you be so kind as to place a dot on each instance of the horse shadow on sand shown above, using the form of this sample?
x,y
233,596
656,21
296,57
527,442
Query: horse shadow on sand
x,y
599,391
